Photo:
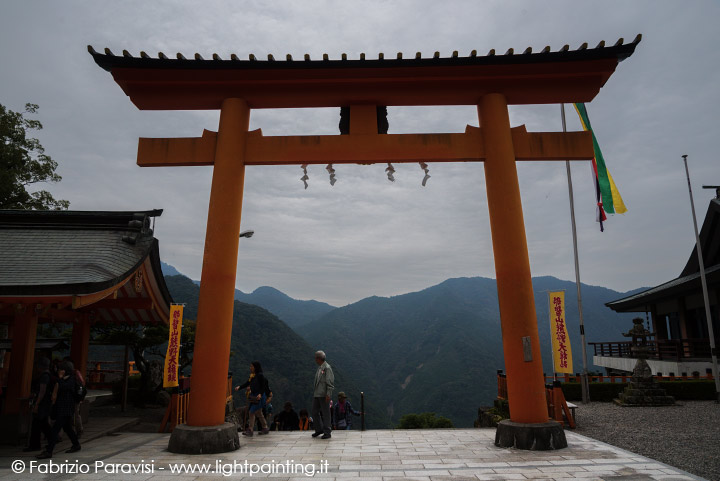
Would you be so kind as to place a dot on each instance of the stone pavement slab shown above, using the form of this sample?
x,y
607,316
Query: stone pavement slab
x,y
429,455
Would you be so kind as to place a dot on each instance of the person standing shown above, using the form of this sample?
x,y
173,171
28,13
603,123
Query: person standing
x,y
324,385
77,420
64,398
257,386
342,412
42,392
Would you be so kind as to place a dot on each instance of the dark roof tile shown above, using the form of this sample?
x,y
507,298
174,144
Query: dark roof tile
x,y
109,60
70,252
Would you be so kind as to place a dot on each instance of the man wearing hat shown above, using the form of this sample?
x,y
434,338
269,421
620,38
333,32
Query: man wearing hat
x,y
343,412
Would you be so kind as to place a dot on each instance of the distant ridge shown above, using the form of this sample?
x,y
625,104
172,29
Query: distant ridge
x,y
169,270
423,351
438,349
287,359
293,312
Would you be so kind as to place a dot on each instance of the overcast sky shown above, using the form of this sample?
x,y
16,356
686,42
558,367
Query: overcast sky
x,y
366,236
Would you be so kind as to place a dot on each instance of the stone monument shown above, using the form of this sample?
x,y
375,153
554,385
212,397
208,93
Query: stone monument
x,y
642,389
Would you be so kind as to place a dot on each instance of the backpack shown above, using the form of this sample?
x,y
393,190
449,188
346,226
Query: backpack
x,y
80,391
266,387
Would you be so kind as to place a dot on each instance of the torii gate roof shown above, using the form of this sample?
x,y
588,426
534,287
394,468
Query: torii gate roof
x,y
164,83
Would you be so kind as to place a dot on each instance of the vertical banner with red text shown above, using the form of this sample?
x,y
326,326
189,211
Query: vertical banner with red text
x,y
562,354
170,373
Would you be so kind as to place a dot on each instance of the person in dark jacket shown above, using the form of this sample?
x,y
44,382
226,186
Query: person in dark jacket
x,y
64,409
257,387
288,418
77,421
42,403
343,412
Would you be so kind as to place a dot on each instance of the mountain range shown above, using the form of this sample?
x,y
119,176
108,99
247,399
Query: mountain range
x,y
435,350
292,311
287,359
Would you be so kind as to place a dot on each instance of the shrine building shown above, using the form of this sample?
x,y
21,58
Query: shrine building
x,y
70,267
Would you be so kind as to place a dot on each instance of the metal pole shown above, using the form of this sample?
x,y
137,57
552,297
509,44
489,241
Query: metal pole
x,y
126,375
362,411
701,263
585,387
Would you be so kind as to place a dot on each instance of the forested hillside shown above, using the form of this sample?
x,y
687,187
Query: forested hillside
x,y
434,350
439,349
287,359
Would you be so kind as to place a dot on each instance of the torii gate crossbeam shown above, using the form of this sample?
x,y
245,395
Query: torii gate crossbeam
x,y
491,82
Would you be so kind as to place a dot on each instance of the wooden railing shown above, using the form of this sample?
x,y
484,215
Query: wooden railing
x,y
664,349
176,412
622,378
557,406
133,371
103,374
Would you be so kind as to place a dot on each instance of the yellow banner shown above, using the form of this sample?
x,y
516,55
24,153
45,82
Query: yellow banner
x,y
562,354
170,373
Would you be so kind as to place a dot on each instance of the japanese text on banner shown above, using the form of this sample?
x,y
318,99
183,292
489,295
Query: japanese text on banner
x,y
562,354
170,373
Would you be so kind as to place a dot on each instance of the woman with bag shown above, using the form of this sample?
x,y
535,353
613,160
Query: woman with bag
x,y
257,387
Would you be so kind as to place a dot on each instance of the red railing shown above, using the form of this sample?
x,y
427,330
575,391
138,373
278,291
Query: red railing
x,y
103,374
557,406
664,349
622,378
176,412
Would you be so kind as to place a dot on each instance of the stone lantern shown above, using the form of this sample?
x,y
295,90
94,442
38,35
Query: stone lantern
x,y
642,389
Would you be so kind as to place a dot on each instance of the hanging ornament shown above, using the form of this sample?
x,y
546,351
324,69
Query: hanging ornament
x,y
390,172
331,171
425,169
305,177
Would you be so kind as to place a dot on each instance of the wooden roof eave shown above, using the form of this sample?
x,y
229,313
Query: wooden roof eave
x,y
85,300
187,84
679,287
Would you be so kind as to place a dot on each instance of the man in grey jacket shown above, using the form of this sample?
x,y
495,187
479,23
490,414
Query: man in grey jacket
x,y
324,385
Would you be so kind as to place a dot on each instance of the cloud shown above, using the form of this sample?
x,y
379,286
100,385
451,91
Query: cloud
x,y
366,235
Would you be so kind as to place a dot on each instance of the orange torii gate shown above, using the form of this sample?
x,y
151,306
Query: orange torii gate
x,y
491,82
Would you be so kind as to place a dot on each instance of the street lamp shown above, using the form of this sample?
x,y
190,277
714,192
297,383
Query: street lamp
x,y
247,234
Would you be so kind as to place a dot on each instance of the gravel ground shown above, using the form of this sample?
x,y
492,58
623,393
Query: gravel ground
x,y
686,436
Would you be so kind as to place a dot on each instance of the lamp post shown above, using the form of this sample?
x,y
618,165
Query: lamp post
x,y
701,264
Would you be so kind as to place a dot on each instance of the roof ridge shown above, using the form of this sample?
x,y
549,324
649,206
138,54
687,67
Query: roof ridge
x,y
623,50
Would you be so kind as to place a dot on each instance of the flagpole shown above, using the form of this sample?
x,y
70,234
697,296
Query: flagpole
x,y
585,387
701,264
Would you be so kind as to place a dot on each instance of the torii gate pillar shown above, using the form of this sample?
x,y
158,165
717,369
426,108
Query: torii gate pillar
x,y
206,430
529,426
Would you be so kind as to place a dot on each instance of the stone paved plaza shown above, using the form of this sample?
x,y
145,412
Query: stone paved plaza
x,y
429,455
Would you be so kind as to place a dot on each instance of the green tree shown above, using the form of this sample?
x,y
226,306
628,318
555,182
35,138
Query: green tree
x,y
424,421
147,343
23,162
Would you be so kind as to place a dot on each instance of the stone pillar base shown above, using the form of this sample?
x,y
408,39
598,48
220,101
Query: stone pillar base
x,y
222,438
533,437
